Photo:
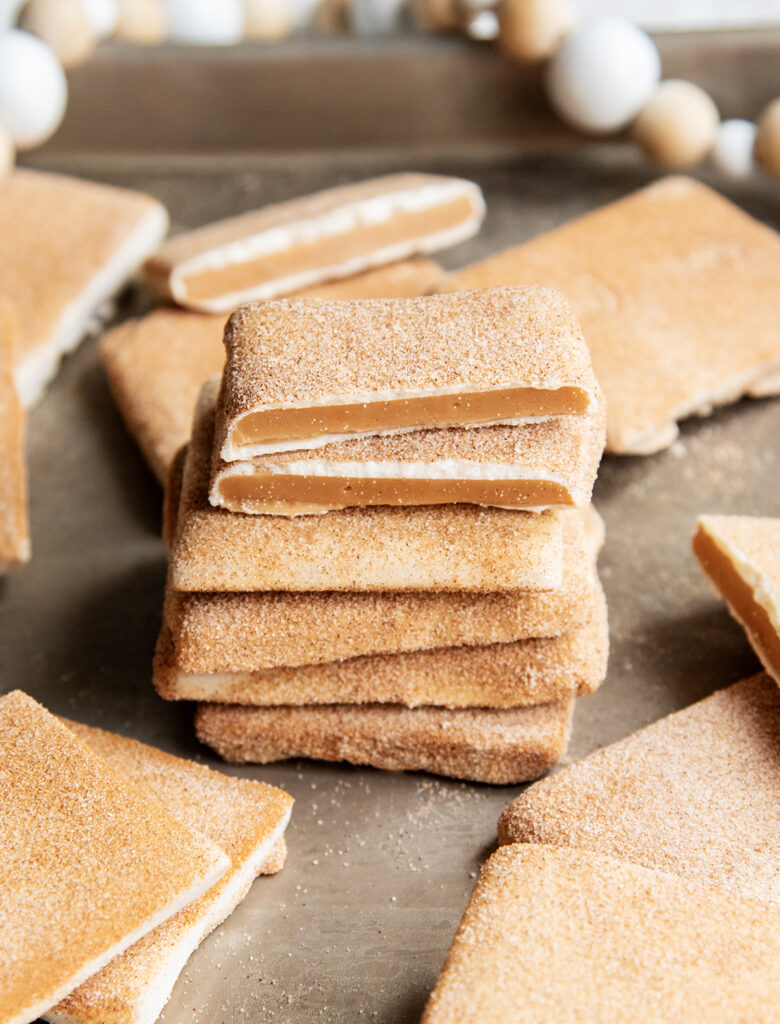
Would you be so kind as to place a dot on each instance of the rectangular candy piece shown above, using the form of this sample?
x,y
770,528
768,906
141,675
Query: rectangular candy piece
x,y
14,527
66,246
292,245
676,291
533,671
480,744
246,819
536,466
741,557
446,547
697,793
157,365
567,935
245,632
300,374
90,863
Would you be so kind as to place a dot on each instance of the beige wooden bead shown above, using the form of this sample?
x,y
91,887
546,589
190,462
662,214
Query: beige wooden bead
x,y
331,17
7,153
678,125
532,29
141,21
63,25
438,15
768,139
268,19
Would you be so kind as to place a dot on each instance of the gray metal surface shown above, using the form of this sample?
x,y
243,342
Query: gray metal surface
x,y
357,925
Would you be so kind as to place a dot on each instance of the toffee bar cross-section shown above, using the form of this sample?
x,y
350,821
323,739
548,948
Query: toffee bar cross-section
x,y
301,374
332,234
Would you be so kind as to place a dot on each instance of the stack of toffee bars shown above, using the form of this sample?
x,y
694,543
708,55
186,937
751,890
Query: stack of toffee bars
x,y
381,543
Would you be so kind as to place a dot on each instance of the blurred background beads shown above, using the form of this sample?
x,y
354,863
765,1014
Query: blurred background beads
x,y
678,125
532,30
142,22
602,75
267,20
63,25
205,22
7,152
733,152
768,139
103,16
33,89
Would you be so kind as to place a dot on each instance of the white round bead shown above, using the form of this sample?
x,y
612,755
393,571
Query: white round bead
x,y
678,125
7,153
63,25
483,26
103,16
9,12
603,74
205,22
734,146
268,19
33,90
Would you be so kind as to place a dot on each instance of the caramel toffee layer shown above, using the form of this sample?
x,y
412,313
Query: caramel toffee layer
x,y
334,250
370,416
740,597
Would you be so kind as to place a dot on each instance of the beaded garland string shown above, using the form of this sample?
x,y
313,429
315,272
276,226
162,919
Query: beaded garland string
x,y
602,75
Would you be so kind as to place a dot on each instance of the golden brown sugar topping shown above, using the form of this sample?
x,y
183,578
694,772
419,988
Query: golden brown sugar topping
x,y
675,289
447,547
505,675
242,632
91,863
291,353
714,766
483,744
564,934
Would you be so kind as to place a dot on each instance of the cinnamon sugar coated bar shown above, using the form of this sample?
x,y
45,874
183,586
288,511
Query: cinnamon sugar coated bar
x,y
741,557
66,246
299,374
157,365
14,525
481,744
332,234
90,863
448,547
676,291
568,935
697,794
246,819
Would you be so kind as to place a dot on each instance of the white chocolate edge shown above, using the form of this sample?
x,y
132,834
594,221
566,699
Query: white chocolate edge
x,y
31,1013
349,217
159,988
38,367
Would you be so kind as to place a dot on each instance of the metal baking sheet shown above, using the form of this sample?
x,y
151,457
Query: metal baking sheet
x,y
358,923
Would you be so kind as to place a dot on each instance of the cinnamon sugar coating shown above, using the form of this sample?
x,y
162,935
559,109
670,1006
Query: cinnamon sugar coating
x,y
245,632
503,675
90,862
568,935
14,525
292,352
697,794
675,289
66,246
244,818
481,744
157,365
453,547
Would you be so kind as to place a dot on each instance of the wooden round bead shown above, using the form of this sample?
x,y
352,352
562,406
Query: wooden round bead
x,y
141,21
768,139
7,153
331,17
268,19
438,15
532,29
63,25
678,125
